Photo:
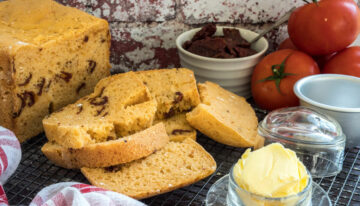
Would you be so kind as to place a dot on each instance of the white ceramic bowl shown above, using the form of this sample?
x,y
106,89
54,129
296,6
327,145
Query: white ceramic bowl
x,y
232,74
336,95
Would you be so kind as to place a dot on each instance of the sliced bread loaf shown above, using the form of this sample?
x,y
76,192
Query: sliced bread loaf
x,y
112,111
50,56
109,153
225,117
176,165
174,90
178,128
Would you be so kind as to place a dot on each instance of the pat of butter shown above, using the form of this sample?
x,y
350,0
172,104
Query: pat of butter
x,y
272,171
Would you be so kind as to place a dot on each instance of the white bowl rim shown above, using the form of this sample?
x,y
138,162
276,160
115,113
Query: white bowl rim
x,y
219,59
301,96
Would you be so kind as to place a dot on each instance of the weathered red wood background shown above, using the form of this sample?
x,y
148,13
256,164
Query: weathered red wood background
x,y
144,31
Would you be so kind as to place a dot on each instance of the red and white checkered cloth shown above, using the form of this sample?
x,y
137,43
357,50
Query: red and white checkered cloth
x,y
10,156
60,194
78,194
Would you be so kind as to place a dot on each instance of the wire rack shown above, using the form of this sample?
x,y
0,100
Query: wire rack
x,y
36,172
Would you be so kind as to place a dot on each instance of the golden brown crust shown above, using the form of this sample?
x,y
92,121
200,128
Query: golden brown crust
x,y
208,166
6,87
260,142
109,153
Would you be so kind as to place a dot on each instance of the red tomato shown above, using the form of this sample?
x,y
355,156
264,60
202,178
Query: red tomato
x,y
321,60
296,65
287,44
345,62
324,27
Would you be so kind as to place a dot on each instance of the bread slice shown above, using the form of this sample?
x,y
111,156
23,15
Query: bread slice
x,y
177,165
225,117
174,90
120,105
109,153
260,142
178,128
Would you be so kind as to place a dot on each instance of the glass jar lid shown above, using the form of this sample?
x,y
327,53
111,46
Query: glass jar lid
x,y
302,124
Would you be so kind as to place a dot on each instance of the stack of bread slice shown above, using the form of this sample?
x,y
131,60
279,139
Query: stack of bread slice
x,y
135,133
126,123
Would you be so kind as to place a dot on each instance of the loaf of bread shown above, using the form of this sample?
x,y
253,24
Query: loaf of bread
x,y
225,117
50,56
111,152
120,105
176,165
178,128
174,90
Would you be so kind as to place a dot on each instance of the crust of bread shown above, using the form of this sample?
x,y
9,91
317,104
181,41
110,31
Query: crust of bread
x,y
109,153
92,173
260,142
6,88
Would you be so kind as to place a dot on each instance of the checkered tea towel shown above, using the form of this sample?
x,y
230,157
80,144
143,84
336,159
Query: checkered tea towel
x,y
10,156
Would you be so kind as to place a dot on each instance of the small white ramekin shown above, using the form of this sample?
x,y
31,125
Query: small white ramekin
x,y
336,95
232,74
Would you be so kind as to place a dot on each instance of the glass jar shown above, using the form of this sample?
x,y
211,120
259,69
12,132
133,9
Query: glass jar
x,y
237,196
316,138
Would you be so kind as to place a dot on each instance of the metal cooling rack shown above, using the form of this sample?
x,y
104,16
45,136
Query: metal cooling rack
x,y
36,172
